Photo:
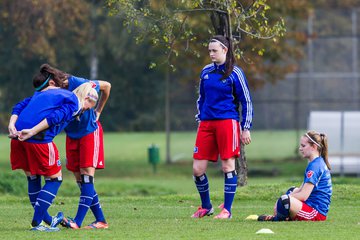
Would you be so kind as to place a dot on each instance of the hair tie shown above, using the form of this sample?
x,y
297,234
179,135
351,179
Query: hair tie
x,y
44,83
92,97
215,40
307,135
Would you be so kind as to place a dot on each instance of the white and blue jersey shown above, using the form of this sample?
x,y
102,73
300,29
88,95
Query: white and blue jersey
x,y
57,106
87,124
221,99
318,174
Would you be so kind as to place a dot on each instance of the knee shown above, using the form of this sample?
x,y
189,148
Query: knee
x,y
198,169
228,168
228,165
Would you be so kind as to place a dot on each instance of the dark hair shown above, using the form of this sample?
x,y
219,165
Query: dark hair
x,y
41,80
230,58
321,140
57,75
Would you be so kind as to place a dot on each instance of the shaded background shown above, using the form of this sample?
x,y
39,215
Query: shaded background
x,y
80,38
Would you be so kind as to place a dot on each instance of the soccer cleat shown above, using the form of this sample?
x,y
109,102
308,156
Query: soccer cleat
x,y
56,220
97,225
43,228
224,214
265,217
221,206
69,223
202,212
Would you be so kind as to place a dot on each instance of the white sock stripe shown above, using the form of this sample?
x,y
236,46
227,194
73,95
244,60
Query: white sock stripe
x,y
206,190
95,204
229,192
86,197
95,195
48,193
228,184
201,185
33,193
42,200
80,204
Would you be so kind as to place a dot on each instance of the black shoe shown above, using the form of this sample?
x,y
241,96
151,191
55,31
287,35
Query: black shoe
x,y
265,217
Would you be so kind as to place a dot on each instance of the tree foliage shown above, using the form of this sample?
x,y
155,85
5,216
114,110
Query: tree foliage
x,y
64,33
32,32
184,27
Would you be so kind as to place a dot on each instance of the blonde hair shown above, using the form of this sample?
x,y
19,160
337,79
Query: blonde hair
x,y
84,91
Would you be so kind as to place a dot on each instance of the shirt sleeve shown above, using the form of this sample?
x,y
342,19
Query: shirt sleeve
x,y
74,82
17,109
200,100
243,95
65,112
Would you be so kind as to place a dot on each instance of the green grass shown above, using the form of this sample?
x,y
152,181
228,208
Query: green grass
x,y
126,153
142,205
165,212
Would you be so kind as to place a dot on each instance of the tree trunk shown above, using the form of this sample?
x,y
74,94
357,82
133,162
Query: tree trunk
x,y
167,114
241,167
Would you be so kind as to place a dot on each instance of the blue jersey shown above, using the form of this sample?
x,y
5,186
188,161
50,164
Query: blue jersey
x,y
87,124
221,99
57,106
318,174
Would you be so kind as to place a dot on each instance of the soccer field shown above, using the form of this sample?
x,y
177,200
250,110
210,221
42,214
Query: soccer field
x,y
139,204
162,210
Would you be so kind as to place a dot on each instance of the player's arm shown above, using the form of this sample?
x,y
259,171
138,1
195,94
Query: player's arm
x,y
296,190
201,99
28,133
105,88
17,109
12,129
243,95
304,192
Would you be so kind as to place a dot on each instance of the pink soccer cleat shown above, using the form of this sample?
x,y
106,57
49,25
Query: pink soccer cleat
x,y
69,223
97,225
202,212
224,214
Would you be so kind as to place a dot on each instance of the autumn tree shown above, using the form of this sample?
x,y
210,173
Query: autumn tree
x,y
33,32
182,27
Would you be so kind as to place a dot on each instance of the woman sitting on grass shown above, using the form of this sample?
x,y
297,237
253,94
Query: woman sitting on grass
x,y
311,201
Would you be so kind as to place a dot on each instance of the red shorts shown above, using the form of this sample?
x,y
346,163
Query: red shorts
x,y
217,137
308,213
85,152
36,158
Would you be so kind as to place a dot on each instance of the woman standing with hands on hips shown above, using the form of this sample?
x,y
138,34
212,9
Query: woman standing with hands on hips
x,y
223,88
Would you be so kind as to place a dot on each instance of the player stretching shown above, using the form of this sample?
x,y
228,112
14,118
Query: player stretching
x,y
84,150
34,123
311,201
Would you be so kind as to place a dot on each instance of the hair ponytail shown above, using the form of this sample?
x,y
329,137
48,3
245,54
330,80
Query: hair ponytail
x,y
320,140
58,76
230,58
